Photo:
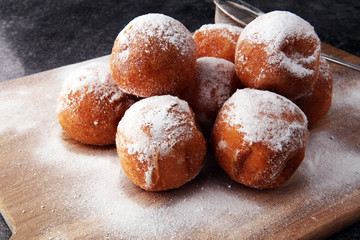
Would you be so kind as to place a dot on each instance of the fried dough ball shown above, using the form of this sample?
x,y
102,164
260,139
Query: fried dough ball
x,y
217,40
159,144
259,138
153,55
279,52
91,105
215,82
317,103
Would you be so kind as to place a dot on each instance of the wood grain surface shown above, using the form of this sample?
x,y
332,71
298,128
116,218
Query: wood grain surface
x,y
52,187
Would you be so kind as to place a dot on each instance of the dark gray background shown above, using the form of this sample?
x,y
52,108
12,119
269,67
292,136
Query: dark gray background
x,y
41,35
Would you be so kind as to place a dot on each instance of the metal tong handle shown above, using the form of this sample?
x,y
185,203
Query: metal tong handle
x,y
243,13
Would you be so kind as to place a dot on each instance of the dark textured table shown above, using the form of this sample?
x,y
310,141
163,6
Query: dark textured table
x,y
41,35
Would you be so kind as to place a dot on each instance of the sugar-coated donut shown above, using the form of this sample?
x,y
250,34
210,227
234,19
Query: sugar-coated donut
x,y
159,144
317,103
215,82
91,105
279,52
217,40
153,55
259,138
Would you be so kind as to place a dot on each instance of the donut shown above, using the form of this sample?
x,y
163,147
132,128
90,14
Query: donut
x,y
153,55
317,103
279,52
215,82
259,138
217,40
159,144
91,105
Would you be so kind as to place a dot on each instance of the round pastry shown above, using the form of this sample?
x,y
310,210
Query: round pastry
x,y
215,82
279,52
259,138
91,105
217,40
317,103
153,55
159,144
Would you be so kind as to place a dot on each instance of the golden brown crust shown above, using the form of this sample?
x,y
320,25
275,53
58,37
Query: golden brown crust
x,y
217,40
90,124
259,73
171,171
90,112
160,154
255,163
282,59
152,57
215,82
316,104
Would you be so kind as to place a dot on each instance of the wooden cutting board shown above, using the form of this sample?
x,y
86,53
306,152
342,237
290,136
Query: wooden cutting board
x,y
52,187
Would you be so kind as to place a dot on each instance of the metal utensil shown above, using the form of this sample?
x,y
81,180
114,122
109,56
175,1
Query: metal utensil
x,y
241,13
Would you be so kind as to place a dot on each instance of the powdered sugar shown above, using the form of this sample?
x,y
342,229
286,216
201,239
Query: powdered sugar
x,y
97,187
153,126
259,114
276,29
295,65
12,110
324,69
79,183
215,76
95,79
155,26
225,30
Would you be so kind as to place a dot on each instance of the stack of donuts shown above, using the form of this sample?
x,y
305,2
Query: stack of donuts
x,y
250,93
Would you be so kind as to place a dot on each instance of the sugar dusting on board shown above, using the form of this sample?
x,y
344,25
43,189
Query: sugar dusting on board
x,y
91,184
100,189
12,109
103,191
